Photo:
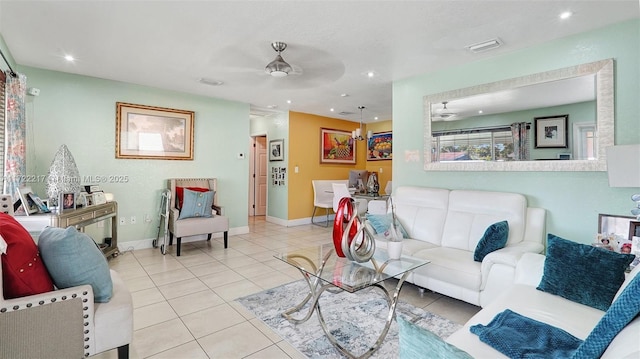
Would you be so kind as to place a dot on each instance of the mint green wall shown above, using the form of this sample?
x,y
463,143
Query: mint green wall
x,y
275,126
80,112
572,199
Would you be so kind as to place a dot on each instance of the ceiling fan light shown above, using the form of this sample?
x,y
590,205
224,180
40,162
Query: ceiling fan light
x,y
278,67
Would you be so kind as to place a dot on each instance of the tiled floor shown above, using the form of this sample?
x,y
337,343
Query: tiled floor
x,y
184,306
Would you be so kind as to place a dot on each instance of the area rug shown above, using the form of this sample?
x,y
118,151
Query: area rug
x,y
355,319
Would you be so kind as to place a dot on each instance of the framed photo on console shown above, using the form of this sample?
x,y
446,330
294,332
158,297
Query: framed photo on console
x,y
68,201
28,204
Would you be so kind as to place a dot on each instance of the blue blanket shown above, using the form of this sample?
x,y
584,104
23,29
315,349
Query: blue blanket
x,y
517,336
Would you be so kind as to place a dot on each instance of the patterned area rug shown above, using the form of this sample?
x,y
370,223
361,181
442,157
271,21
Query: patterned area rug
x,y
356,320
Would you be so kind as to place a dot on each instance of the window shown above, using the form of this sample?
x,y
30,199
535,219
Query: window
x,y
584,144
473,145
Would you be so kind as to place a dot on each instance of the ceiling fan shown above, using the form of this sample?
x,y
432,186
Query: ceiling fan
x,y
278,67
443,114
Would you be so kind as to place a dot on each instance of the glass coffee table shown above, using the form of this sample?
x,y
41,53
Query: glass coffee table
x,y
323,270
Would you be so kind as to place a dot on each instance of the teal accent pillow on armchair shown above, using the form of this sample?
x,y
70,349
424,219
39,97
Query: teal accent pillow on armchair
x,y
196,204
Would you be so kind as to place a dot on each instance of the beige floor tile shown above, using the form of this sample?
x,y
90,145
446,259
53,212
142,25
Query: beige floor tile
x,y
271,352
234,342
164,266
266,330
236,262
146,297
139,283
232,291
221,278
195,259
178,289
160,337
207,268
211,320
133,272
178,275
272,280
195,302
190,350
453,309
292,352
242,310
253,270
152,314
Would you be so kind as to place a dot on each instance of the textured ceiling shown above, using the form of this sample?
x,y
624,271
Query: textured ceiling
x,y
332,44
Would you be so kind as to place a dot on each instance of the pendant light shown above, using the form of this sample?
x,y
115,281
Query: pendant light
x,y
357,133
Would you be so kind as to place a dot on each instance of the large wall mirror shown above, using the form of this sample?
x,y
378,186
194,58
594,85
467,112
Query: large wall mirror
x,y
559,120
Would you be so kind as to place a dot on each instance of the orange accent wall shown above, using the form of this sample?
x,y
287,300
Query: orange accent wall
x,y
304,153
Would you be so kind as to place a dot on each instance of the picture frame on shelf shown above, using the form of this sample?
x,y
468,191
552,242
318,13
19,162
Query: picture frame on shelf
x,y
88,200
380,146
276,150
616,228
551,131
42,207
28,204
67,201
81,200
99,198
337,146
149,132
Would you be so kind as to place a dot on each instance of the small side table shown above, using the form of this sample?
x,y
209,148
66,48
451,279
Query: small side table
x,y
79,218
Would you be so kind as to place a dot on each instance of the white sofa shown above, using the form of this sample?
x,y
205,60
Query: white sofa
x,y
523,298
445,226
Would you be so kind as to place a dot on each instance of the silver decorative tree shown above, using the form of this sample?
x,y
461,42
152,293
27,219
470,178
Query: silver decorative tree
x,y
63,176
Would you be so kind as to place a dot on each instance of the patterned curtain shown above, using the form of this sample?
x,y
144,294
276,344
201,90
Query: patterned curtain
x,y
520,134
15,134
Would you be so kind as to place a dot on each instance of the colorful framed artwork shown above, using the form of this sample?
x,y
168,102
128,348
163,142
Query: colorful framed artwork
x,y
379,146
551,131
337,146
146,132
276,150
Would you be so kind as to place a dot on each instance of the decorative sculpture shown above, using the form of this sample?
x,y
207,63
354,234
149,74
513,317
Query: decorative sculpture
x,y
373,187
351,239
63,176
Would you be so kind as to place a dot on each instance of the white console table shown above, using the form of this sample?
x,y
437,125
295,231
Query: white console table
x,y
79,218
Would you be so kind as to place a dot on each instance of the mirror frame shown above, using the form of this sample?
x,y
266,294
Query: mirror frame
x,y
604,120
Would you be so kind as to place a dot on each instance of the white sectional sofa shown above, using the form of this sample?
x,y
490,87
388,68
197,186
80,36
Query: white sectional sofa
x,y
445,227
523,298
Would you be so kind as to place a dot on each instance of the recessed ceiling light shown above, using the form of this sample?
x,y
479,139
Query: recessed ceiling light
x,y
371,74
288,101
376,118
272,106
480,111
210,82
344,95
566,15
69,58
331,109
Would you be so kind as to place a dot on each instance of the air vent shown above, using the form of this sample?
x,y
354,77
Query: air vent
x,y
346,113
484,46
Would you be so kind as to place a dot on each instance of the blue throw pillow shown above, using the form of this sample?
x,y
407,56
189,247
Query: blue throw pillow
x,y
196,204
73,258
583,273
621,313
416,342
494,238
382,222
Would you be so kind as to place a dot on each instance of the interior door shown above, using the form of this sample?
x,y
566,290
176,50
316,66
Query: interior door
x,y
261,176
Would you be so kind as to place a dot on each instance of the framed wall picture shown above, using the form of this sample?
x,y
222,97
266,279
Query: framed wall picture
x,y
337,146
146,132
28,204
68,201
551,131
276,150
379,146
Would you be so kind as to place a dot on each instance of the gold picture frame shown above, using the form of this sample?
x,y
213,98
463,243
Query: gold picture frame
x,y
337,146
148,132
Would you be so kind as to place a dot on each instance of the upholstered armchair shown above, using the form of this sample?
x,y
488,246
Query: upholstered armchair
x,y
62,323
194,210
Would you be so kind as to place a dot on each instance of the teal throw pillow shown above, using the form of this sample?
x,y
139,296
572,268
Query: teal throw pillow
x,y
583,273
382,222
621,313
494,238
73,258
196,204
416,342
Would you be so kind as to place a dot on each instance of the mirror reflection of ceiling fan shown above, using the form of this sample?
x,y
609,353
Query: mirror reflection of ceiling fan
x,y
443,114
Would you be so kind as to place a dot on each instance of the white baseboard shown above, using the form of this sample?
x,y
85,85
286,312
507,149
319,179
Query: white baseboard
x,y
134,245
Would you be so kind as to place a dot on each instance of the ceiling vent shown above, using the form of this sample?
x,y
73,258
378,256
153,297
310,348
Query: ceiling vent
x,y
345,113
485,45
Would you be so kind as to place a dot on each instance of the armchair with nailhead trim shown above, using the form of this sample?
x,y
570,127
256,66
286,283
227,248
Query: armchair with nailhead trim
x,y
66,323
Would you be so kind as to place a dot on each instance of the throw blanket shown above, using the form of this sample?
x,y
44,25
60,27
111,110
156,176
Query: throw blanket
x,y
517,336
